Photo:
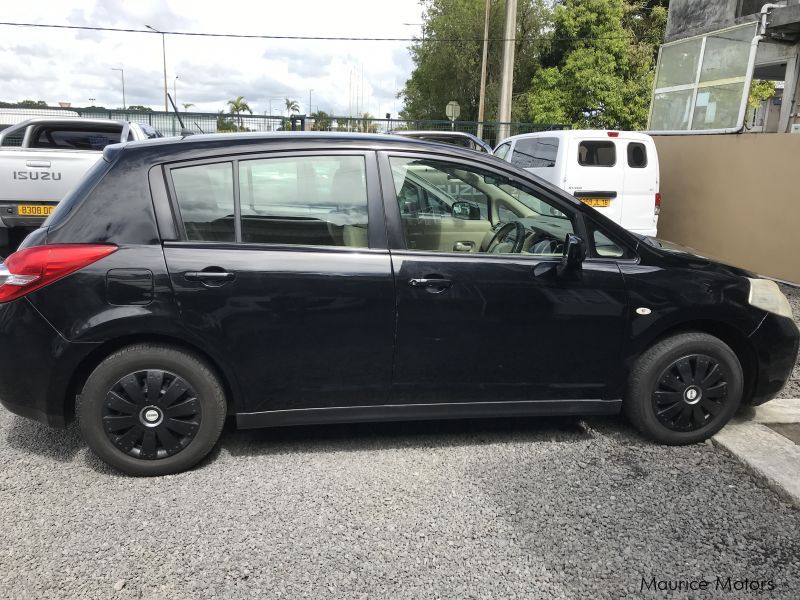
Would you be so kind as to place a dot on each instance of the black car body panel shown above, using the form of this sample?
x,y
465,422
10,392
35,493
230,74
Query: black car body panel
x,y
325,334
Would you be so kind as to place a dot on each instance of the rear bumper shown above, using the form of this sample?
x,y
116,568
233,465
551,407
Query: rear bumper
x,y
776,345
36,364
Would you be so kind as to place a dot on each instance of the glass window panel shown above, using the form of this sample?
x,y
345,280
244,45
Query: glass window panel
x,y
678,63
205,199
671,111
538,152
309,200
597,154
717,107
726,54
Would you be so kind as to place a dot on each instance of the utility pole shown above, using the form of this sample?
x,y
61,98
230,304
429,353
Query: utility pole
x,y
122,73
164,54
507,81
482,102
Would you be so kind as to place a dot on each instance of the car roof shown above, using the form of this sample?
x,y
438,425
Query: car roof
x,y
167,146
579,133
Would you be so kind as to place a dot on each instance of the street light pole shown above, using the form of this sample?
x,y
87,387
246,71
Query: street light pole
x,y
122,73
164,54
175,90
482,101
309,102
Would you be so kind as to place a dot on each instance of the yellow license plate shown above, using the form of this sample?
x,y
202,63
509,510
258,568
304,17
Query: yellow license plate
x,y
597,202
34,210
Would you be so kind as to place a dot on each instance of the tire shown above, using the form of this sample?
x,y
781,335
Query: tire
x,y
675,378
151,410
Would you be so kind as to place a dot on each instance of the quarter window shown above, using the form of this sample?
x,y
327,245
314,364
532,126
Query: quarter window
x,y
502,150
637,155
535,153
205,199
597,154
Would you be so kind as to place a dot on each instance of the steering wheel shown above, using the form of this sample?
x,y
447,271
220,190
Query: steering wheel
x,y
504,232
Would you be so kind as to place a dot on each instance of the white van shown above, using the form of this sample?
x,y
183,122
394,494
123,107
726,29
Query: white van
x,y
615,172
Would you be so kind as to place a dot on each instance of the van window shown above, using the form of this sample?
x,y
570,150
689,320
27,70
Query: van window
x,y
637,155
597,154
535,152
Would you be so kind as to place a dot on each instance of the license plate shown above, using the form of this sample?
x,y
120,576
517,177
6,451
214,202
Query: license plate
x,y
597,202
34,210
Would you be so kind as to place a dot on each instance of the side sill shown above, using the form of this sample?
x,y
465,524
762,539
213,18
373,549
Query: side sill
x,y
421,412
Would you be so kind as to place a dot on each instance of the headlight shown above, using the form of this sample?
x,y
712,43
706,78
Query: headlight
x,y
766,295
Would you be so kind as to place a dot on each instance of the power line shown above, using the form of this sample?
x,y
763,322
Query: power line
x,y
325,38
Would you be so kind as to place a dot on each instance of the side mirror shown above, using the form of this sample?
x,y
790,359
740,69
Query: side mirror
x,y
574,253
466,211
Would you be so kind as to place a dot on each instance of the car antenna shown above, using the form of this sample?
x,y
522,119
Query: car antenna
x,y
184,131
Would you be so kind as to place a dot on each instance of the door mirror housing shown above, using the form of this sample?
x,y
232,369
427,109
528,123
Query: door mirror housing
x,y
574,253
466,211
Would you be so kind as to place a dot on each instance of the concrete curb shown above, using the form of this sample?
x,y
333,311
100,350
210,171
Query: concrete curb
x,y
768,455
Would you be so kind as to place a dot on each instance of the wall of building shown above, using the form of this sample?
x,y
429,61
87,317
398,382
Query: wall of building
x,y
690,17
735,198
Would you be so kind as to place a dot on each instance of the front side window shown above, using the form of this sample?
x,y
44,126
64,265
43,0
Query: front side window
x,y
449,207
535,153
597,154
205,199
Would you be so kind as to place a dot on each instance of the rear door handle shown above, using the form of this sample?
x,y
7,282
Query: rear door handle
x,y
432,285
212,277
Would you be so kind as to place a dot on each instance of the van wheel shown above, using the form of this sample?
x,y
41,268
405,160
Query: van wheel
x,y
151,410
684,389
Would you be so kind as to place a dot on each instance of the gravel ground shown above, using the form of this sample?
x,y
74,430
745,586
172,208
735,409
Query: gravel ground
x,y
500,509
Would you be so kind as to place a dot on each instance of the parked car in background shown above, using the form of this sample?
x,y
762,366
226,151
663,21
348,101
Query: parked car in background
x,y
41,159
615,172
324,278
456,138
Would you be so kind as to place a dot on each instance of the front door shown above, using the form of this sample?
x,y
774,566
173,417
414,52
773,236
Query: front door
x,y
283,271
497,321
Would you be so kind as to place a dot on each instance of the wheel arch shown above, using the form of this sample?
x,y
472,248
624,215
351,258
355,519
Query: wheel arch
x,y
97,355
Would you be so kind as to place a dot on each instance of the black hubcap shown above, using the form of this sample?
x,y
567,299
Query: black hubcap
x,y
151,414
690,393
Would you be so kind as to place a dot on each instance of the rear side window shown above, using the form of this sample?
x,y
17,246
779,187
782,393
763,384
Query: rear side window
x,y
14,139
205,199
308,200
535,153
637,155
597,154
73,138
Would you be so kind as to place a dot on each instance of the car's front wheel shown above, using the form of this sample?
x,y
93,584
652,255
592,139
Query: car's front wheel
x,y
684,388
151,410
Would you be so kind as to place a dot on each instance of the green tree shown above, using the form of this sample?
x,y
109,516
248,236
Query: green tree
x,y
600,67
291,106
140,108
322,120
25,104
236,107
447,61
225,122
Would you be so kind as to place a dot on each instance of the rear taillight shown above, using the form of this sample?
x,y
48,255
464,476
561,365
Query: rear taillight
x,y
658,203
613,133
33,268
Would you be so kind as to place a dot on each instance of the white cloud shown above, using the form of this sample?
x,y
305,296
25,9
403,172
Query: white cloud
x,y
74,65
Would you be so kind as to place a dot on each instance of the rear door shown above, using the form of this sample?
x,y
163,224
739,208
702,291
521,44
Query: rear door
x,y
594,174
640,184
282,267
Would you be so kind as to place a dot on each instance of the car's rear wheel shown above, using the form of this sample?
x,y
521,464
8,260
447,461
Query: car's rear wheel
x,y
151,410
684,389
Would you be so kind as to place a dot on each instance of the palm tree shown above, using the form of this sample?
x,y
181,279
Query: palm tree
x,y
291,107
237,107
322,120
187,106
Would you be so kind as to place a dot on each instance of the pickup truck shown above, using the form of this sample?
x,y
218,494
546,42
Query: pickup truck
x,y
42,159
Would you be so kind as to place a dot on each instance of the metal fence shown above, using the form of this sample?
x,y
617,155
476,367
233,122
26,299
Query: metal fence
x,y
197,122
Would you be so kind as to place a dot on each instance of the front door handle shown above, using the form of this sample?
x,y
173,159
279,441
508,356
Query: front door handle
x,y
435,286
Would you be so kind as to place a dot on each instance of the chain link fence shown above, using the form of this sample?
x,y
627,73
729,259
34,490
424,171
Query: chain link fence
x,y
168,124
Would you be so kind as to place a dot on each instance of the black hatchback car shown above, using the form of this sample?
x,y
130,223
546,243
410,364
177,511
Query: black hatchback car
x,y
323,278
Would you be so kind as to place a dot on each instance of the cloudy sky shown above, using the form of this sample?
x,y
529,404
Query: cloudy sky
x,y
74,66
